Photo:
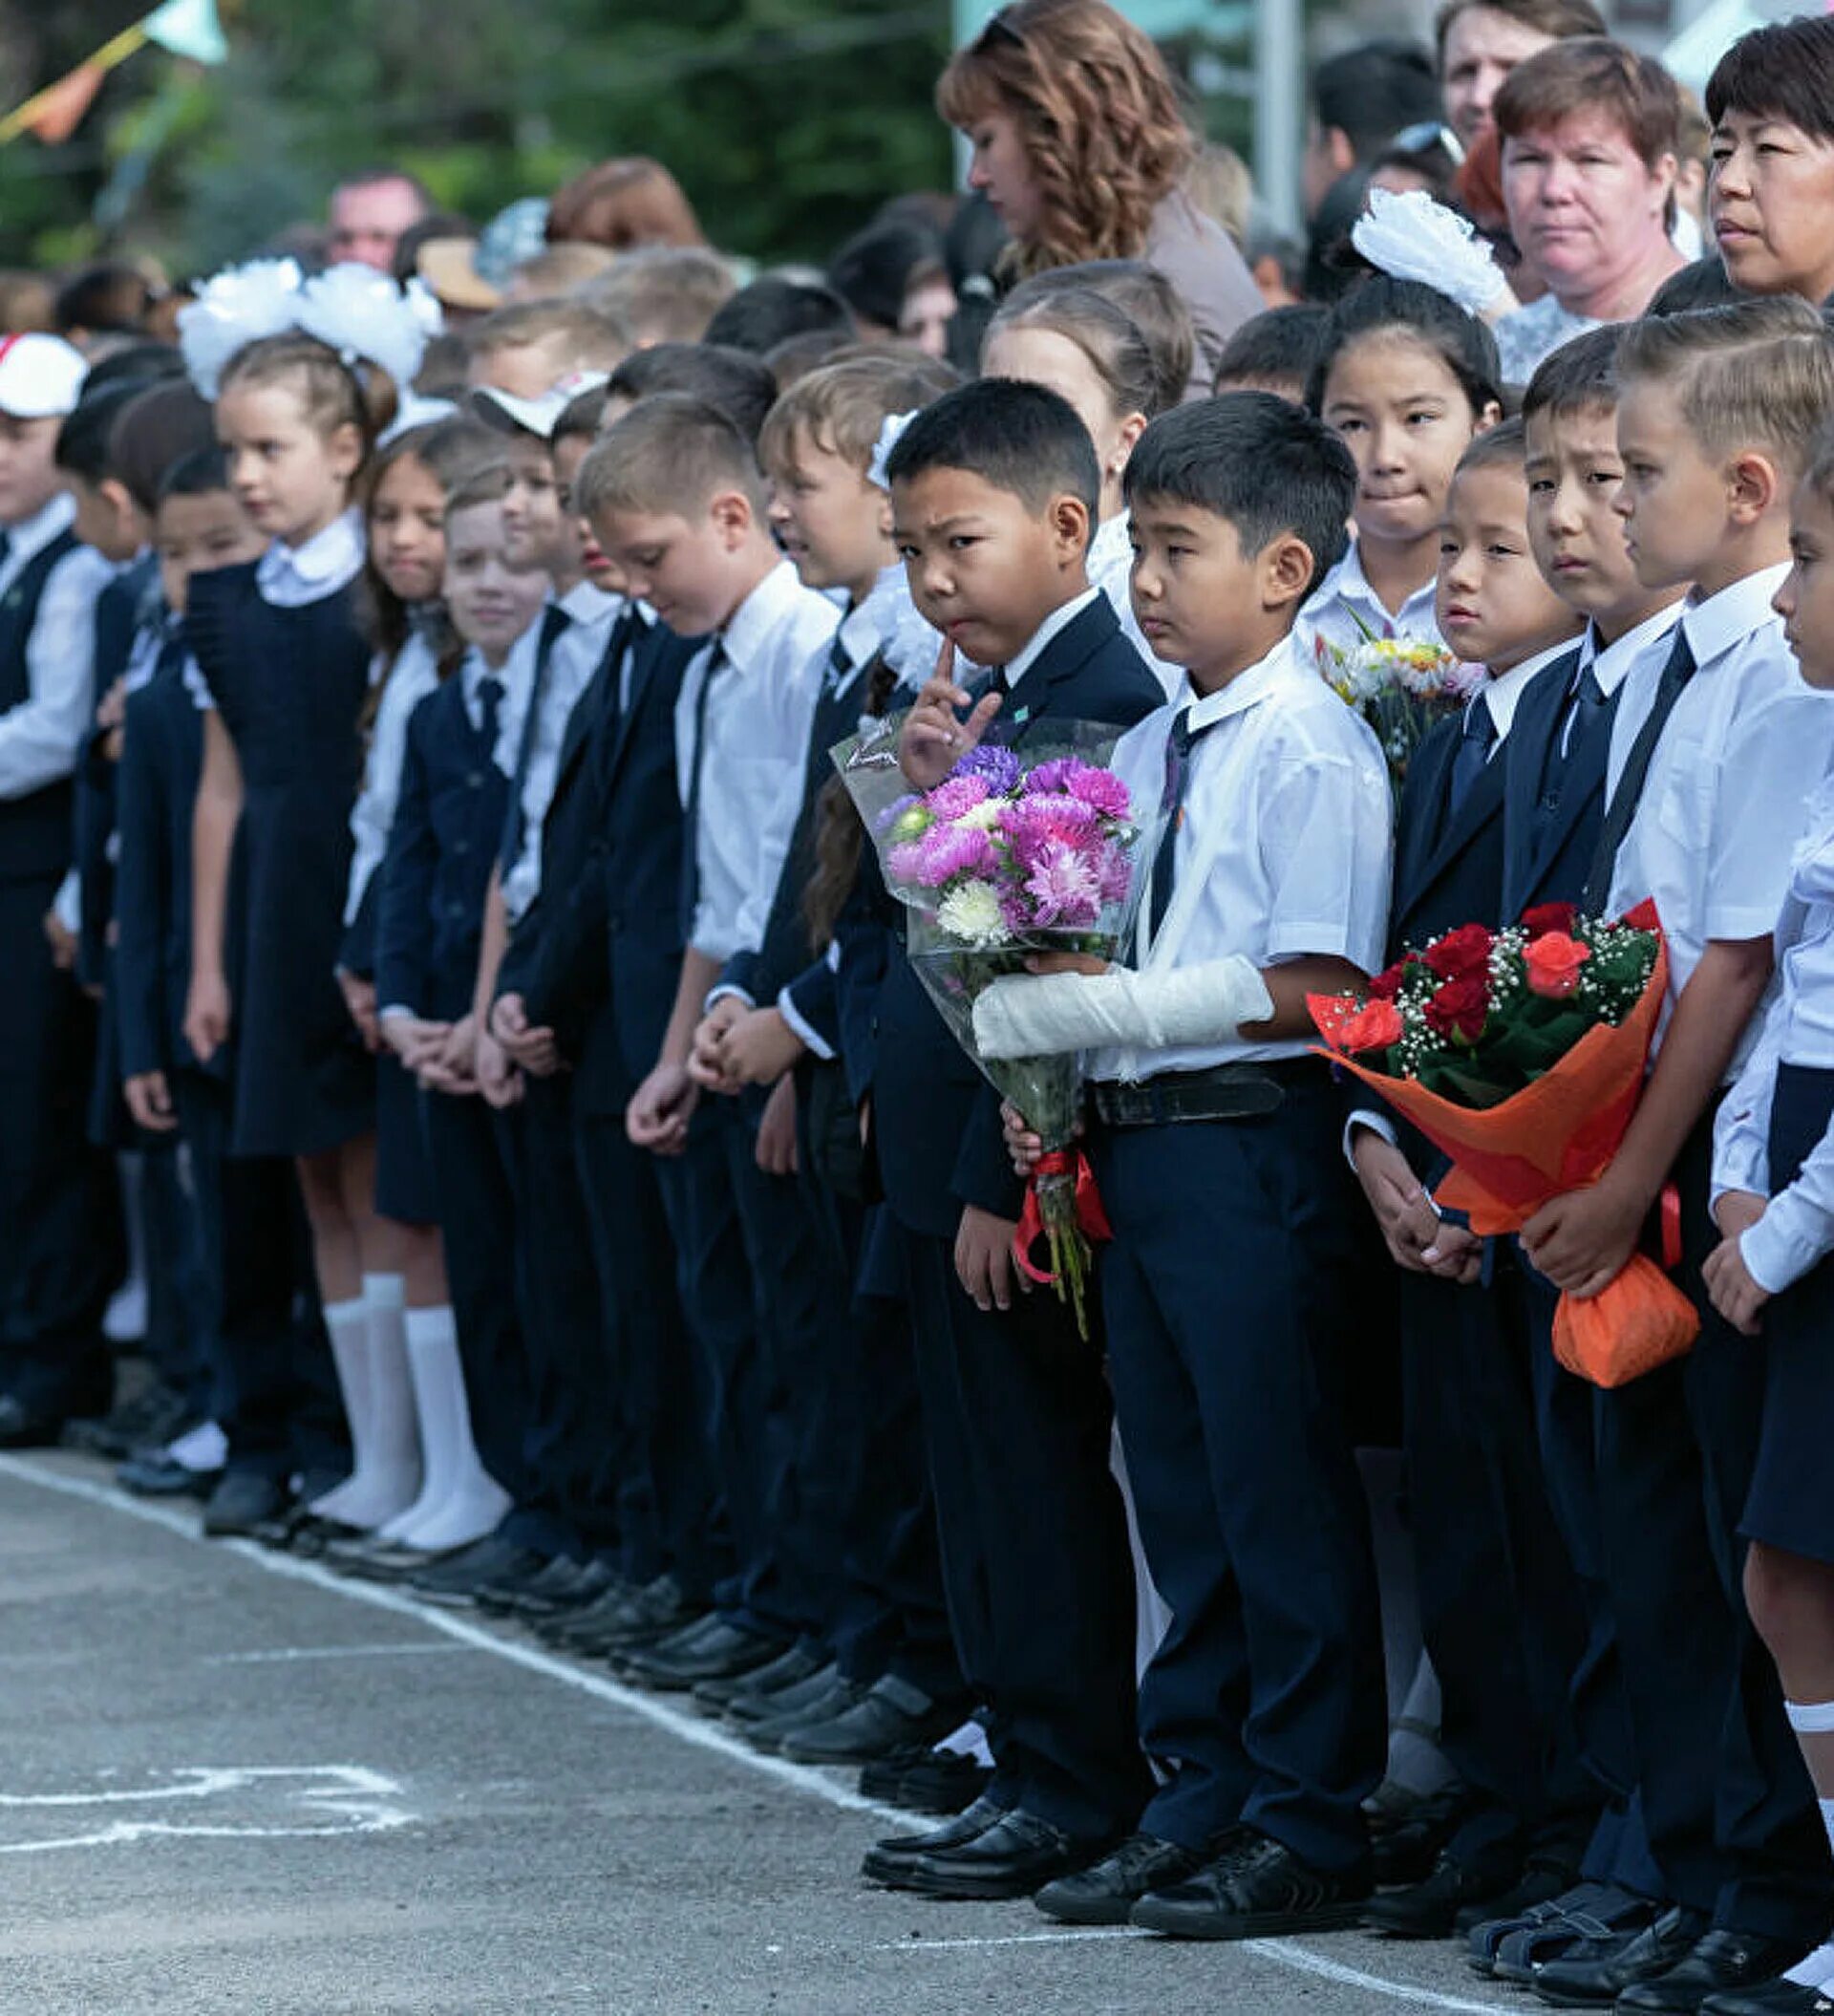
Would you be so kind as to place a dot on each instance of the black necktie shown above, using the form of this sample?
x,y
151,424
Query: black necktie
x,y
1586,711
554,620
691,819
1480,738
996,682
1178,745
840,666
1622,809
490,700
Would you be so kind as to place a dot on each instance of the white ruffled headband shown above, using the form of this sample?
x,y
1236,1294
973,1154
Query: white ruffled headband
x,y
360,314
1411,237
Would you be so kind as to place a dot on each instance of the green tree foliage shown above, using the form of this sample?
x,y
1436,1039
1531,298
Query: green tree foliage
x,y
788,121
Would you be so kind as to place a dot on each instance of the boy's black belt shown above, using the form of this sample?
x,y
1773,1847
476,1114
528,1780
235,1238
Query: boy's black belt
x,y
1224,1092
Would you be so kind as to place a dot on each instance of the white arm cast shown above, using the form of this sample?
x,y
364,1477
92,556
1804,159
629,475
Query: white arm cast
x,y
1042,1015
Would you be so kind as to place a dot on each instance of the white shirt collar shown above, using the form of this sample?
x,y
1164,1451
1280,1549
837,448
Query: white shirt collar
x,y
752,622
1716,623
1503,694
586,603
1609,663
1057,621
1347,582
31,535
1247,689
859,631
327,561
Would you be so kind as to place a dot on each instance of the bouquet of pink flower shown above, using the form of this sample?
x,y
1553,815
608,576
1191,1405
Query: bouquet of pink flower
x,y
1010,856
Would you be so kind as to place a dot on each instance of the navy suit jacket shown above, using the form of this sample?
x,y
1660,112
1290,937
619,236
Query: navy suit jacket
x,y
431,886
1549,841
121,609
161,759
936,1122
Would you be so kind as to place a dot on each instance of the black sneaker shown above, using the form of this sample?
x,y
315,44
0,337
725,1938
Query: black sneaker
x,y
1257,1889
1106,1893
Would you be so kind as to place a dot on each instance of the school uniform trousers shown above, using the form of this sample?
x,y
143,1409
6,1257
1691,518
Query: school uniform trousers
x,y
1036,1565
59,1259
851,1460
1500,1606
1553,804
429,901
271,1384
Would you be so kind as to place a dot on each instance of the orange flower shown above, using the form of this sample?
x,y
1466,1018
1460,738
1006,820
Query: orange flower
x,y
1554,962
1374,1026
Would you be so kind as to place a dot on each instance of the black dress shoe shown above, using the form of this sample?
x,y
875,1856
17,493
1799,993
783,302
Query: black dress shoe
x,y
455,1583
722,1649
926,1781
1511,1948
1018,1855
1405,1838
624,1620
1257,1889
890,1713
791,1681
558,1593
242,1501
1106,1893
152,1418
499,1594
1773,1998
152,1474
1597,1972
1723,1963
885,1860
833,1702
1430,1910
21,1429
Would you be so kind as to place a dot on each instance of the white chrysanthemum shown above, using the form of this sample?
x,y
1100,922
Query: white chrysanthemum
x,y
983,817
234,308
364,315
972,914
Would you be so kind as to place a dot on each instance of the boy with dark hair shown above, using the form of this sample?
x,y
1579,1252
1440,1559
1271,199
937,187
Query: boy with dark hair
x,y
1274,352
994,490
1213,1134
772,309
739,384
1361,99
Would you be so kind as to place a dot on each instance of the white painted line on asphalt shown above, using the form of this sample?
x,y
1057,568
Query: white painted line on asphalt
x,y
1075,1937
701,1735
287,1654
343,1798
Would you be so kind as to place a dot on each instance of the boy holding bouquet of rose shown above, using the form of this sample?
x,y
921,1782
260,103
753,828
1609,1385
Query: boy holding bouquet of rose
x,y
1714,751
1214,1138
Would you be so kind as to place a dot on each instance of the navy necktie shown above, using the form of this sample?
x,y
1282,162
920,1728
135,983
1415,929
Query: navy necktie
x,y
1178,745
490,700
1622,809
1480,738
691,818
554,620
840,666
1586,712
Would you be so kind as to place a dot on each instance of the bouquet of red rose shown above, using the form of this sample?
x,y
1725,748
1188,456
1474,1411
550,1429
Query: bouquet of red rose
x,y
1521,1053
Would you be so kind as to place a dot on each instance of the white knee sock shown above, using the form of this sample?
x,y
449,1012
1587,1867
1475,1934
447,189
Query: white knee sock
x,y
368,1344
459,1501
1814,1718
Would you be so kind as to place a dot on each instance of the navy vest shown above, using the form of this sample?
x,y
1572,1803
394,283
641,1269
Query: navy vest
x,y
35,836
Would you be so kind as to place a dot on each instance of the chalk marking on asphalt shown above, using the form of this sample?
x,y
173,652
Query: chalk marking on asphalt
x,y
287,1655
698,1734
1082,1935
353,1800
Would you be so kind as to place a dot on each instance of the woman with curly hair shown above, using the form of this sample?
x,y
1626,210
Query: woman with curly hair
x,y
1079,146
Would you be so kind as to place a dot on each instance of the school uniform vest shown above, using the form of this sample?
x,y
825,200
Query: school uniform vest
x,y
36,838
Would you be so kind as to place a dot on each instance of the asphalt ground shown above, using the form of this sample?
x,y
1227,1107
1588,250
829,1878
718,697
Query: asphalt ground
x,y
232,1781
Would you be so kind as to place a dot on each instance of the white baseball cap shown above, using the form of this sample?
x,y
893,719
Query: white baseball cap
x,y
510,415
41,376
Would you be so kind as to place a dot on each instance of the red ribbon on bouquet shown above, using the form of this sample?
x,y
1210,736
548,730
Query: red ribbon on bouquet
x,y
1091,1220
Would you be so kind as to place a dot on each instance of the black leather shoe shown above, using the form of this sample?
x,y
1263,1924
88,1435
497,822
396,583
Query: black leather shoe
x,y
1106,1891
242,1502
616,1622
20,1430
1723,1963
566,1594
499,1594
885,1860
1257,1889
834,1700
152,1474
452,1584
1405,1838
1774,1998
890,1713
1430,1910
151,1419
797,1678
676,1664
1511,1948
1018,1855
926,1781
1595,1973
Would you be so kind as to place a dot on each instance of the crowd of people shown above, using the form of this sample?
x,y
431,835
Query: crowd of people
x,y
444,965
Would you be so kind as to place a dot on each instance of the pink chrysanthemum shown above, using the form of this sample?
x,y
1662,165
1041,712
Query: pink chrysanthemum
x,y
948,852
1064,887
956,795
1097,787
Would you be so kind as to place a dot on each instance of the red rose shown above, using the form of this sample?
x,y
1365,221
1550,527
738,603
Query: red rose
x,y
1387,984
1461,953
1554,962
1550,917
1374,1026
1459,1008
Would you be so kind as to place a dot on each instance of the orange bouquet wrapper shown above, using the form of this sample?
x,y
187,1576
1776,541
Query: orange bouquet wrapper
x,y
1556,1134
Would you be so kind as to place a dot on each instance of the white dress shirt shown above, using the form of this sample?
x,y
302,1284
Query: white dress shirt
x,y
1745,747
41,738
1285,846
758,720
1344,612
572,662
413,675
1111,568
293,577
1797,1229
